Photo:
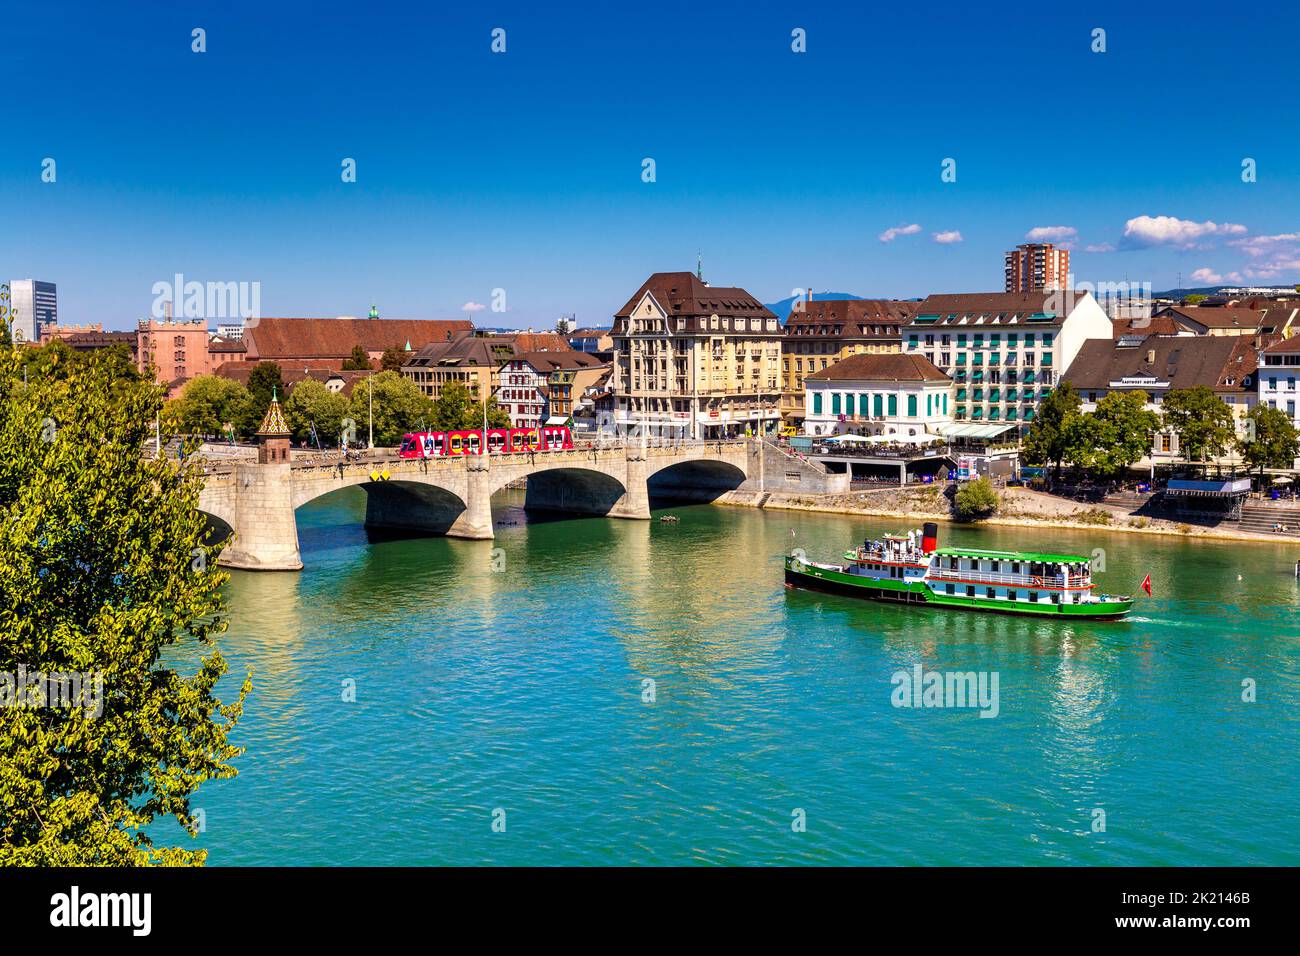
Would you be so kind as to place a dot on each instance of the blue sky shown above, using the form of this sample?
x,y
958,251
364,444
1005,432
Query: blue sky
x,y
522,171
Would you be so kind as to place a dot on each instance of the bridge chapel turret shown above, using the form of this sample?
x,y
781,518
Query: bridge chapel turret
x,y
273,436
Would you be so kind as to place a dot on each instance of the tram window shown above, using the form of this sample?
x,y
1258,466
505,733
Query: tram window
x,y
455,444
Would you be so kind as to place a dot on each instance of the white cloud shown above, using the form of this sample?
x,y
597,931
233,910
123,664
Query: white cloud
x,y
1172,231
1261,245
1051,233
1210,277
473,307
948,237
889,235
1099,247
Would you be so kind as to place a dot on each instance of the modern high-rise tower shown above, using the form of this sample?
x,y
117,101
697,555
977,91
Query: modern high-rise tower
x,y
1037,267
34,304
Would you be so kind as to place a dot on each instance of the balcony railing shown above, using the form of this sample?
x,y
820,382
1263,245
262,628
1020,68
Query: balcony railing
x,y
1007,579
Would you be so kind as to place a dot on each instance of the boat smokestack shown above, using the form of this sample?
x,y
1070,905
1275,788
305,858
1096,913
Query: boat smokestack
x,y
929,537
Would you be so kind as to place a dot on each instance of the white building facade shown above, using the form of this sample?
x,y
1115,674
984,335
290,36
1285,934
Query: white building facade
x,y
903,396
1279,371
1004,351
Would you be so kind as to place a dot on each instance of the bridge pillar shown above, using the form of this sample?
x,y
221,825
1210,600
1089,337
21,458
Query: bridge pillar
x,y
635,502
475,522
266,533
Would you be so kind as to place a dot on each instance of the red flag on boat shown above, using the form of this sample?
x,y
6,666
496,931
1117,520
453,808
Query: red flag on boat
x,y
1146,584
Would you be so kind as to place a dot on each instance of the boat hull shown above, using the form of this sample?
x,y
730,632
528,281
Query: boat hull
x,y
813,578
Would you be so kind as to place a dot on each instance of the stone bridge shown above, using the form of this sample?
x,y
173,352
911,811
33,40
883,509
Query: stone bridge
x,y
453,496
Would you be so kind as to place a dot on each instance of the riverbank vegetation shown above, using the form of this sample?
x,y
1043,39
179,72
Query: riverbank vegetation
x,y
105,563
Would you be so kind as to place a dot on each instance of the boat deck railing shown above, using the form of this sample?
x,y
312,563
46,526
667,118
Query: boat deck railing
x,y
1006,578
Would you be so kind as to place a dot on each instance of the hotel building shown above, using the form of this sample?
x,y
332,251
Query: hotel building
x,y
1004,351
695,361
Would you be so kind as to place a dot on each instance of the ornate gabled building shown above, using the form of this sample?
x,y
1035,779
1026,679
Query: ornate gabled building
x,y
695,361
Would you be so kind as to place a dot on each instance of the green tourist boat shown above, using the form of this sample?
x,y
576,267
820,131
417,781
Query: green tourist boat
x,y
911,569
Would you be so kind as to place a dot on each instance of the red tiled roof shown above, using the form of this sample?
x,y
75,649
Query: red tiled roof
x,y
883,367
274,339
1286,345
1182,361
857,318
683,294
291,374
1218,317
553,361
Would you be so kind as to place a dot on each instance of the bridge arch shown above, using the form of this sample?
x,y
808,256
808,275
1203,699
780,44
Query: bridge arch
x,y
573,489
697,479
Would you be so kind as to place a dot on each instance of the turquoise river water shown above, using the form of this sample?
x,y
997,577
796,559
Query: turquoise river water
x,y
506,683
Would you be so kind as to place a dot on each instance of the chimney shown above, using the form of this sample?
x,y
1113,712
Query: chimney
x,y
1151,356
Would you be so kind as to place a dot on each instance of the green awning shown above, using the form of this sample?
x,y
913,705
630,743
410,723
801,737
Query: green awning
x,y
961,394
995,394
978,413
1029,414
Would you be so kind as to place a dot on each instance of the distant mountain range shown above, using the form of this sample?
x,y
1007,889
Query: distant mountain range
x,y
1212,290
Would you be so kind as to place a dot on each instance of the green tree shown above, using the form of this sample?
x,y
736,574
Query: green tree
x,y
358,361
1048,441
1202,421
264,381
1271,441
1107,441
105,567
393,359
310,403
975,499
209,404
457,408
399,407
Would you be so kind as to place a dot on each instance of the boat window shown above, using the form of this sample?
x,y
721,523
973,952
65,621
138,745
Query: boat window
x,y
1056,598
970,590
1033,596
991,593
951,587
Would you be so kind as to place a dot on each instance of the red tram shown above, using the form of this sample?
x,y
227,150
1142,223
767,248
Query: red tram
x,y
500,441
